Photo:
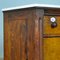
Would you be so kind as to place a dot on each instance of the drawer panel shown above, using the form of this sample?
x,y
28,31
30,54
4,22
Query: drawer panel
x,y
51,48
47,29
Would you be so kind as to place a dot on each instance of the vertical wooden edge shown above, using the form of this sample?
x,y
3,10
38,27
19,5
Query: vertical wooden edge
x,y
5,27
3,34
4,22
40,15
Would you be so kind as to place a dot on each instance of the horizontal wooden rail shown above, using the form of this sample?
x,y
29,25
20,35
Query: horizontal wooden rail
x,y
51,36
51,14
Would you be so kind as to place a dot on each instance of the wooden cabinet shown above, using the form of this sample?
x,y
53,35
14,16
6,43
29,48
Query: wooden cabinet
x,y
21,35
28,34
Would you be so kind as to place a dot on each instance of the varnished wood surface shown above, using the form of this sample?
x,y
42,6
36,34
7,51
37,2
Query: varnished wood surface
x,y
21,35
6,45
51,48
52,11
51,39
47,29
15,35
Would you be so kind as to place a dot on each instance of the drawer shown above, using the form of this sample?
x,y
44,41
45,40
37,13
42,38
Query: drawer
x,y
51,48
47,29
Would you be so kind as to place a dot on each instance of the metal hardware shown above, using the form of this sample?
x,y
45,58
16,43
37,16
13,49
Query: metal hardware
x,y
53,22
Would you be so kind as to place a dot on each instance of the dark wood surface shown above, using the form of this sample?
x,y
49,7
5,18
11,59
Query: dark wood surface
x,y
23,34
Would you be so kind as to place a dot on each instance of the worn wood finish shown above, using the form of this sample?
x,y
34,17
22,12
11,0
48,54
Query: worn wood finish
x,y
39,32
16,35
28,35
22,35
51,12
17,41
6,39
30,39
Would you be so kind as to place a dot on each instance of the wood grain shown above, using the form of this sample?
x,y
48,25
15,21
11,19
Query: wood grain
x,y
51,41
47,25
51,48
21,40
6,39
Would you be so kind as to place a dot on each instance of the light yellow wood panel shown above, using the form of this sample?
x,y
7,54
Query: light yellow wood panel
x,y
47,25
51,48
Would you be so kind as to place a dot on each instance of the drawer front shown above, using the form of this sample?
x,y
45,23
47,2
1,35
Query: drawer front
x,y
47,29
51,48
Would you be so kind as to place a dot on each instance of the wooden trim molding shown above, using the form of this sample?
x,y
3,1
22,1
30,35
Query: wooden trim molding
x,y
40,14
51,36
